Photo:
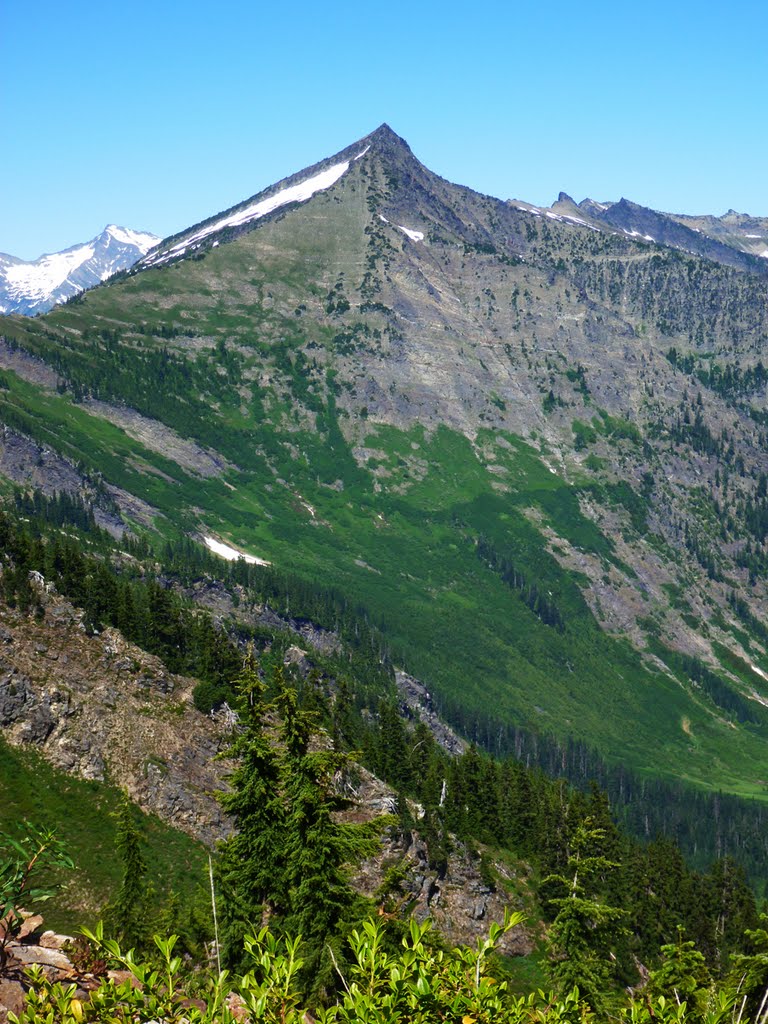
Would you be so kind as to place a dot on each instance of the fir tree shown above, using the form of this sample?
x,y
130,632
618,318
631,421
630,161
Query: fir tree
x,y
251,867
127,915
682,977
319,848
586,927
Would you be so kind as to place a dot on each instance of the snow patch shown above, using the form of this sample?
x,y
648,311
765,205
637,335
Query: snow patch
x,y
293,194
753,236
565,217
141,239
42,277
759,672
526,207
415,236
363,153
231,554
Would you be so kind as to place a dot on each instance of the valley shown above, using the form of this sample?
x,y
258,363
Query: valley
x,y
351,402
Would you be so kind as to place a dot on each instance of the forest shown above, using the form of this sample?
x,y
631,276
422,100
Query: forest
x,y
626,925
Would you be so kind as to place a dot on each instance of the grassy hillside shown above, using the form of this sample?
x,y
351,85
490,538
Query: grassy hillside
x,y
83,814
479,439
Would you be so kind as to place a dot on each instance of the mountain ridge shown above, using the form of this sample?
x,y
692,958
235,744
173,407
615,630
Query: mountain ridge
x,y
481,423
211,229
723,239
35,286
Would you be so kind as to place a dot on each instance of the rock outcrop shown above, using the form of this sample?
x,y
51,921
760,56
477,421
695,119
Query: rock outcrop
x,y
101,708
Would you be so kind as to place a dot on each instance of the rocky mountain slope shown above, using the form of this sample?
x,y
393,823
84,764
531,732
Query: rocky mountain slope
x,y
34,286
735,239
739,230
532,452
100,708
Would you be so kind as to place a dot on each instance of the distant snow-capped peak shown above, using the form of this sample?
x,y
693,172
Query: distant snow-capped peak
x,y
139,239
34,286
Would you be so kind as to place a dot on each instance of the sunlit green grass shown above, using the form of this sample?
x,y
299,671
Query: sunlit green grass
x,y
398,534
82,813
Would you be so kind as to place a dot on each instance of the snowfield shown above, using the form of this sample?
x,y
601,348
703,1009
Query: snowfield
x,y
293,194
415,236
232,554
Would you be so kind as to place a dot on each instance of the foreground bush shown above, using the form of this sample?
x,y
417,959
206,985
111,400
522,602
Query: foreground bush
x,y
419,983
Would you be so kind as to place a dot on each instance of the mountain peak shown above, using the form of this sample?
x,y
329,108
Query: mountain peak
x,y
383,131
295,189
34,286
384,139
142,240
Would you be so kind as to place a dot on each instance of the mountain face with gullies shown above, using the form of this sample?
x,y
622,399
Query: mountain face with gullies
x,y
35,286
530,448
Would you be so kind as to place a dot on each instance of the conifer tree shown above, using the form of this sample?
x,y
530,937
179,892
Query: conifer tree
x,y
586,927
288,858
251,867
319,848
682,977
127,915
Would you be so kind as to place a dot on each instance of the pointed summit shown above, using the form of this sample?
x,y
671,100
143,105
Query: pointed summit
x,y
383,132
295,189
384,137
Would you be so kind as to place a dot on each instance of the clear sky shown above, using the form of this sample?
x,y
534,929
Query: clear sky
x,y
154,114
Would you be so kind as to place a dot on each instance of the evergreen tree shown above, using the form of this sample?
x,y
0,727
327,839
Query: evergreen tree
x,y
392,761
319,848
581,938
682,977
127,915
252,863
287,861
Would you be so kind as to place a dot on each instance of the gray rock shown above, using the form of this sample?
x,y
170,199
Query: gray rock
x,y
38,725
43,956
15,696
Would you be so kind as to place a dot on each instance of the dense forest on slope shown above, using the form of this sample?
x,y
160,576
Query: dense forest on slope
x,y
146,594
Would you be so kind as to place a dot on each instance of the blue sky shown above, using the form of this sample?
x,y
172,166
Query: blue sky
x,y
155,114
